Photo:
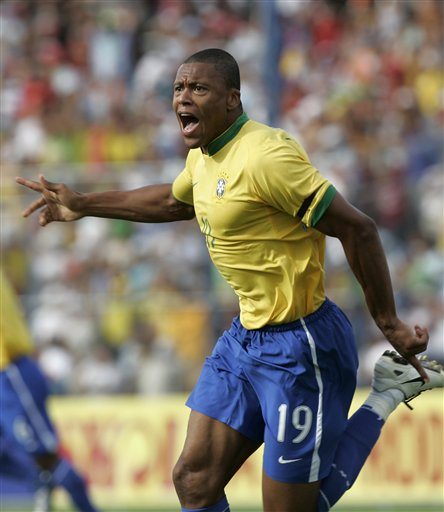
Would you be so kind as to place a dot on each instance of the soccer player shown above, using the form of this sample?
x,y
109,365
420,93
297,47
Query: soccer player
x,y
25,426
284,373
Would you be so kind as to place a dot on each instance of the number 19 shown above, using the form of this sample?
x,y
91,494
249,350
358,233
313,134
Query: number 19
x,y
302,419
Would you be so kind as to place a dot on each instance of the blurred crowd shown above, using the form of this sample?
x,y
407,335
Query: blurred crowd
x,y
85,99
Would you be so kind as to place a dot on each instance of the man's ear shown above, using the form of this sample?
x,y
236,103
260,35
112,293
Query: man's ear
x,y
233,99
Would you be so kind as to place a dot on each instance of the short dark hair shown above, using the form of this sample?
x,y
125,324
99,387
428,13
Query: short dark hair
x,y
224,63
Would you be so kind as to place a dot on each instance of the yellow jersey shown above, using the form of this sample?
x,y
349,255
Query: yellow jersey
x,y
257,198
15,339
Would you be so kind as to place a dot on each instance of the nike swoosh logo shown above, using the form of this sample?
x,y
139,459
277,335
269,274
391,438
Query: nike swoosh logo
x,y
281,460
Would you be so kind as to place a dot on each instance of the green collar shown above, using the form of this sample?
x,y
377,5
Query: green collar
x,y
224,138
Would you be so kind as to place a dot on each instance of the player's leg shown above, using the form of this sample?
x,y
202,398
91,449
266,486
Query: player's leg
x,y
394,381
18,404
212,454
305,383
359,438
31,426
57,471
284,497
225,427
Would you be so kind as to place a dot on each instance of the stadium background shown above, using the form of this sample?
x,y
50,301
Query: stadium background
x,y
123,314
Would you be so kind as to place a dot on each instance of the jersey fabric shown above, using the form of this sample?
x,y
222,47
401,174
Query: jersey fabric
x,y
257,197
15,339
289,386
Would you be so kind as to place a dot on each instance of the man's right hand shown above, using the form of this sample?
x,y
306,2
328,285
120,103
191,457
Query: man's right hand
x,y
58,201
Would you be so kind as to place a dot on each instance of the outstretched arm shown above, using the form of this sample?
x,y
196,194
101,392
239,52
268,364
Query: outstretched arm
x,y
363,249
58,202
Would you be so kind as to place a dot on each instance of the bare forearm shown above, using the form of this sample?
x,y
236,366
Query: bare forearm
x,y
363,249
367,260
58,202
153,203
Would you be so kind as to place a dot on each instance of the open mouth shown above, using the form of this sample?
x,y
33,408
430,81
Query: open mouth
x,y
189,122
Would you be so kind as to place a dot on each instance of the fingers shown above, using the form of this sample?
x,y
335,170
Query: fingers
x,y
417,365
422,339
35,205
42,186
422,333
418,347
33,185
45,217
409,344
38,186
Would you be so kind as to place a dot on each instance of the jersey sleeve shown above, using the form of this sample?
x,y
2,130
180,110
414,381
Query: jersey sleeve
x,y
182,188
183,185
285,178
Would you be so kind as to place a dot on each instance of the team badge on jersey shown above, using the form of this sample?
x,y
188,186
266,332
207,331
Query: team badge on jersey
x,y
221,185
220,189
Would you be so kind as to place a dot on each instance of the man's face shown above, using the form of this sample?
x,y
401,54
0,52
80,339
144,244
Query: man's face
x,y
203,104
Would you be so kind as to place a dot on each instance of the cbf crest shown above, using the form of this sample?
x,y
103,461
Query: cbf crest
x,y
221,185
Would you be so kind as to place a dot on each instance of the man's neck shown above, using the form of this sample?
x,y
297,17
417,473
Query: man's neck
x,y
224,138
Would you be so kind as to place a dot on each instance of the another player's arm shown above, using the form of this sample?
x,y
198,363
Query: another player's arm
x,y
360,239
58,202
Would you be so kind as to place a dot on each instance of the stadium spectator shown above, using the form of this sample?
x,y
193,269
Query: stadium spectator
x,y
98,374
150,364
57,363
265,211
29,440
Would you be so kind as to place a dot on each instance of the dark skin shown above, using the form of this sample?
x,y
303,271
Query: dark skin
x,y
213,452
200,92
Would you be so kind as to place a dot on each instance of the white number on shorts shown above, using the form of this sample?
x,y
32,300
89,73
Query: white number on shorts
x,y
302,419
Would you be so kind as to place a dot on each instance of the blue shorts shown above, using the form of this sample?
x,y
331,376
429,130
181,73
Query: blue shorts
x,y
24,419
289,386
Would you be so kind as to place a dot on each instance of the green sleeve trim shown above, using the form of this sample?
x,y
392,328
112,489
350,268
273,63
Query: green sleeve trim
x,y
323,205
